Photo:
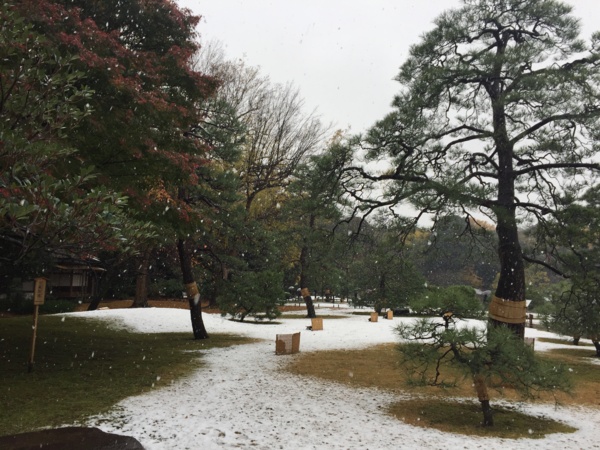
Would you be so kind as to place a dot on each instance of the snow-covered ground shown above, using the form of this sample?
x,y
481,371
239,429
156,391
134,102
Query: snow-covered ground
x,y
241,400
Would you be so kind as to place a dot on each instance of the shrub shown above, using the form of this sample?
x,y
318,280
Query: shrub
x,y
55,306
166,288
252,294
460,300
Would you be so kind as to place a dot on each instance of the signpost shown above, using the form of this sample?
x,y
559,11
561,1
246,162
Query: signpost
x,y
39,295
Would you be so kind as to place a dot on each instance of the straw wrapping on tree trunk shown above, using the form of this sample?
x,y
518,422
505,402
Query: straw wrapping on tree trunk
x,y
191,289
507,311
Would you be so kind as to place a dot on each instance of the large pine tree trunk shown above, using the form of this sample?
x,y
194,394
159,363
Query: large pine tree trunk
x,y
185,260
141,282
507,307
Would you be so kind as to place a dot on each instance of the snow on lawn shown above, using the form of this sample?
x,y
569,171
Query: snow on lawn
x,y
241,400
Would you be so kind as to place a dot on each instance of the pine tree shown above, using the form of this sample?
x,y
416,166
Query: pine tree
x,y
498,114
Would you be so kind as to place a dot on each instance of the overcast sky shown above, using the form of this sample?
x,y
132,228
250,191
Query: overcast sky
x,y
341,54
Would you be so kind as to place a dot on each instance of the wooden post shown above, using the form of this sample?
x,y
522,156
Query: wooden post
x,y
39,295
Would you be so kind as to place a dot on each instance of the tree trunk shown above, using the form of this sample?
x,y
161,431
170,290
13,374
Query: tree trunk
x,y
185,260
96,297
93,306
488,418
141,282
507,307
304,265
484,399
596,343
381,302
304,291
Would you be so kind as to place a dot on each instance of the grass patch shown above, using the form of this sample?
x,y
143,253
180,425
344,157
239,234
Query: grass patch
x,y
565,342
463,418
83,367
373,367
586,376
379,367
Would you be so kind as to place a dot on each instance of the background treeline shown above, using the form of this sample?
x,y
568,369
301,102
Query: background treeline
x,y
163,166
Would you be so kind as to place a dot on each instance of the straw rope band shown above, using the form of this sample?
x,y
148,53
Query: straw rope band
x,y
191,289
481,388
305,292
507,311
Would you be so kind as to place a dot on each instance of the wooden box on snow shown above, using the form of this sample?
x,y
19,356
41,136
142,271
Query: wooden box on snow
x,y
390,314
286,344
317,323
374,317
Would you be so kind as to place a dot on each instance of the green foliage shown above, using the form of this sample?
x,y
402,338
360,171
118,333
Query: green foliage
x,y
573,238
496,355
460,300
484,120
49,199
17,303
379,271
255,294
456,251
166,288
137,132
56,306
575,313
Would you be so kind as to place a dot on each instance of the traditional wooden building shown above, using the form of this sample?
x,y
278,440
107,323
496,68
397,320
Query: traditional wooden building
x,y
71,278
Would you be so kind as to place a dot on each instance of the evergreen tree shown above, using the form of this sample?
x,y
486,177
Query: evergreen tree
x,y
383,274
312,211
136,56
499,102
50,201
493,358
575,242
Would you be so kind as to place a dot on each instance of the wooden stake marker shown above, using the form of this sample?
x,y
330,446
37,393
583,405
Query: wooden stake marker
x,y
39,296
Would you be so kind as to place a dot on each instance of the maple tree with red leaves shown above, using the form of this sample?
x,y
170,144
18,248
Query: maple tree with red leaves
x,y
49,203
135,57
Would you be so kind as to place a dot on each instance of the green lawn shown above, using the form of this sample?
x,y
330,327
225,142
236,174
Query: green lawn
x,y
83,367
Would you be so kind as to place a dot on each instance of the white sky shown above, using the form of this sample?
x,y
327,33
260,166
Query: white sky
x,y
341,54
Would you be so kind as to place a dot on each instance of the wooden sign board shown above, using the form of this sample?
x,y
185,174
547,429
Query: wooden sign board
x,y
39,291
